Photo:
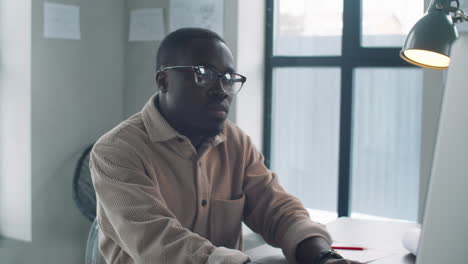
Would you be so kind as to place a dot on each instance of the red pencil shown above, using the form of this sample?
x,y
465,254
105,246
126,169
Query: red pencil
x,y
347,248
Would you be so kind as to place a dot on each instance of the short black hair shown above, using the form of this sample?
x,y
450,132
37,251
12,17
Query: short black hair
x,y
179,40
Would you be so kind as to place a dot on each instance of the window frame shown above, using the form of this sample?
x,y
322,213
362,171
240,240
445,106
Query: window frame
x,y
353,56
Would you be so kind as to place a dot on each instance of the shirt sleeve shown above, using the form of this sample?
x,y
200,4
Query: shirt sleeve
x,y
133,214
279,217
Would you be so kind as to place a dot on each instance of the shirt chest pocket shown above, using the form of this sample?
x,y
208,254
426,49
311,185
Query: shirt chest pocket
x,y
226,222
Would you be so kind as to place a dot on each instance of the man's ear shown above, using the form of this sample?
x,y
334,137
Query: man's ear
x,y
161,81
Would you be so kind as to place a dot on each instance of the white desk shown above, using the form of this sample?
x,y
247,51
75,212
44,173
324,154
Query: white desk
x,y
376,234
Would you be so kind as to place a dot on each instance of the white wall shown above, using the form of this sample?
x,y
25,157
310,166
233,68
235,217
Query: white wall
x,y
15,118
250,62
140,61
76,96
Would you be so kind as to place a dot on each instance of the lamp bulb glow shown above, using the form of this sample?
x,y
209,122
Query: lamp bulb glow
x,y
426,58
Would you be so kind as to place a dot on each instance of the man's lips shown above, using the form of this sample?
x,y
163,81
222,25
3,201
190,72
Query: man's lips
x,y
218,107
218,110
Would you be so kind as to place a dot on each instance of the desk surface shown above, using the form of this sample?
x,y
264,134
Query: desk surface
x,y
385,235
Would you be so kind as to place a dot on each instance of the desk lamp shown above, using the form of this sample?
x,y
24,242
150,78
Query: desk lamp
x,y
429,42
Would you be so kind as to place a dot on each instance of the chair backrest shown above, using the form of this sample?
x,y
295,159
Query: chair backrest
x,y
85,199
93,256
83,190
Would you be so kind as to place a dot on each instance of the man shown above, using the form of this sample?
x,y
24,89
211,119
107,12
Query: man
x,y
175,181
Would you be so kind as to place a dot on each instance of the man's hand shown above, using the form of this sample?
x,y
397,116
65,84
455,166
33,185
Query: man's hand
x,y
308,250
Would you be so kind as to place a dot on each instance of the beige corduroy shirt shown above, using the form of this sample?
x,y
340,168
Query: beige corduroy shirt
x,y
160,201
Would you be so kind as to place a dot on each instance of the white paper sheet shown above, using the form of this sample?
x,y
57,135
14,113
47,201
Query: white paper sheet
x,y
201,13
146,24
61,21
365,256
266,254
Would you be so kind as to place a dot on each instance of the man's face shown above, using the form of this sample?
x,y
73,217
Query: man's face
x,y
195,109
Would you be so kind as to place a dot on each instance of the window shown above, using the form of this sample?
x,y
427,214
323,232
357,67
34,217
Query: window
x,y
342,110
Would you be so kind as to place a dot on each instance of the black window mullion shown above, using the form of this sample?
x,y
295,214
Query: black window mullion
x,y
373,52
350,48
351,28
392,62
268,92
344,158
288,61
378,56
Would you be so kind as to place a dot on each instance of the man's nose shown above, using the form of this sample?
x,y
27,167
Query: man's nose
x,y
217,90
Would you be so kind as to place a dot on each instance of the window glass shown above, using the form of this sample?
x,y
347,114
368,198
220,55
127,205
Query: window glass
x,y
308,27
386,142
305,133
386,23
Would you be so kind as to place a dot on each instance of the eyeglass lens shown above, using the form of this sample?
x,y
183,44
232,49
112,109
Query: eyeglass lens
x,y
206,77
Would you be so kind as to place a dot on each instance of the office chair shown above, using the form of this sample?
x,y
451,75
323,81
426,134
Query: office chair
x,y
85,199
93,256
83,190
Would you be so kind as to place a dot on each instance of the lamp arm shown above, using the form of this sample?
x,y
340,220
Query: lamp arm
x,y
459,16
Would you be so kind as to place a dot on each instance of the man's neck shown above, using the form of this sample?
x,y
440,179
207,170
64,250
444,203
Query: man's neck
x,y
195,139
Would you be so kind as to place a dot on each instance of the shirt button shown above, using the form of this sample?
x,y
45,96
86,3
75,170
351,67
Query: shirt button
x,y
199,164
203,203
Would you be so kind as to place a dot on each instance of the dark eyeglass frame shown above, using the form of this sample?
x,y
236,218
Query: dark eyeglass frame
x,y
220,76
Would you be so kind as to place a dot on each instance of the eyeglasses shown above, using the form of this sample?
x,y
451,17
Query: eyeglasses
x,y
206,77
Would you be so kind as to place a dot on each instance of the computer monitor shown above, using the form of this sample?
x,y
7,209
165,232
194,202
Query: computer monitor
x,y
444,235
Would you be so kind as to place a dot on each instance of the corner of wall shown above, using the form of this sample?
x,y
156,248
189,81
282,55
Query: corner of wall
x,y
250,62
139,72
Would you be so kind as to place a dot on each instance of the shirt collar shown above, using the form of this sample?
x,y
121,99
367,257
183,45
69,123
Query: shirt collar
x,y
160,130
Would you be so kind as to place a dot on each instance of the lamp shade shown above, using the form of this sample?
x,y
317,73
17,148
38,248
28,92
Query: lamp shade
x,y
429,41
